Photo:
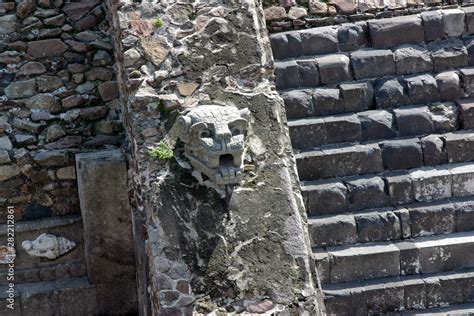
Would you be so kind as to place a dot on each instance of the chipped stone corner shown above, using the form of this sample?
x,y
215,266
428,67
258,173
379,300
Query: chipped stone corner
x,y
231,247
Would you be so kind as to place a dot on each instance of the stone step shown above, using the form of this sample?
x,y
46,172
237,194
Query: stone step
x,y
378,125
461,309
387,33
393,224
387,259
389,189
35,269
52,298
422,84
398,294
342,160
389,93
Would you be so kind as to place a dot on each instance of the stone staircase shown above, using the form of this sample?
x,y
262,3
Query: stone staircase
x,y
382,124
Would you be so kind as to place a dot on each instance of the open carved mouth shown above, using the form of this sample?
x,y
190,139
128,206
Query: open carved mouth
x,y
229,160
229,169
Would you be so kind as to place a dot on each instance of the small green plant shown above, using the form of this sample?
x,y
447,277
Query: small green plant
x,y
158,22
161,152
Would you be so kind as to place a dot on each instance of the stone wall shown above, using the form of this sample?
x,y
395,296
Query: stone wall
x,y
201,248
58,98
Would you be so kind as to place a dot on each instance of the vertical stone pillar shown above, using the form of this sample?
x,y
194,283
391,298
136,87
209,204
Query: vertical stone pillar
x,y
108,241
241,249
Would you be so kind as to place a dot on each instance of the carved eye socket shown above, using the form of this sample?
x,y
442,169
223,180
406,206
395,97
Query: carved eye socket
x,y
205,133
236,131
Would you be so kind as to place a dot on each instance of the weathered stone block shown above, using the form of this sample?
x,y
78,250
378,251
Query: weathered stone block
x,y
414,121
457,288
321,259
334,68
448,54
318,41
409,258
390,93
460,146
357,96
414,292
453,22
307,133
44,102
4,156
410,59
9,171
80,300
7,24
377,124
467,76
309,165
400,188
464,214
106,217
387,33
308,73
433,23
108,91
366,192
5,143
339,162
298,103
286,45
327,101
466,108
431,184
469,43
378,225
457,256
41,303
325,197
286,73
332,230
422,89
20,89
362,262
404,217
449,85
434,292
352,36
387,296
402,154
48,83
445,117
52,158
432,219
469,13
463,180
342,128
370,63
434,152
46,48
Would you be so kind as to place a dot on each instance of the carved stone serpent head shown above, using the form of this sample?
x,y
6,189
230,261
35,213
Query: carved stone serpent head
x,y
214,138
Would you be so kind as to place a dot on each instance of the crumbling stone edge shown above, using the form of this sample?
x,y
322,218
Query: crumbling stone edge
x,y
197,251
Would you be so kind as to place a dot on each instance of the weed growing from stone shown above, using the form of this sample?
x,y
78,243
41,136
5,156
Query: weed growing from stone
x,y
158,22
161,152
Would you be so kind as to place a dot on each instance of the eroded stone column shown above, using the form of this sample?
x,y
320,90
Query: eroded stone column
x,y
210,247
108,241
